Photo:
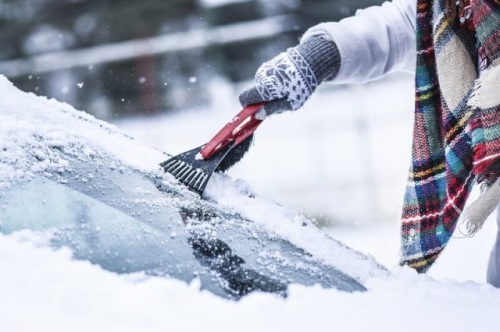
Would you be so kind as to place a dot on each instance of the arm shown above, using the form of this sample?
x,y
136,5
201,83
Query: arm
x,y
376,41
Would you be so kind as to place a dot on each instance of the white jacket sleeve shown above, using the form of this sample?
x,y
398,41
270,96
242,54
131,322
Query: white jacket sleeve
x,y
376,41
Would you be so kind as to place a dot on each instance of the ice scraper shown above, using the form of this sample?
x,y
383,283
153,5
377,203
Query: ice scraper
x,y
194,168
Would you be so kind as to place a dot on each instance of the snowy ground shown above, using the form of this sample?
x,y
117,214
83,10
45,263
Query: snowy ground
x,y
46,290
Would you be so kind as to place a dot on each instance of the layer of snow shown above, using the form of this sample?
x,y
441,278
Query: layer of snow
x,y
46,290
32,126
288,224
43,290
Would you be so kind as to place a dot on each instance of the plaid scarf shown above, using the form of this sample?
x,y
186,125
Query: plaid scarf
x,y
456,135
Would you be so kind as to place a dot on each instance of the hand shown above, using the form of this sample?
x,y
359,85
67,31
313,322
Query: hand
x,y
288,80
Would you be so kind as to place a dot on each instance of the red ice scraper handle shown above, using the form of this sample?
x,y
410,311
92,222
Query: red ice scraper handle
x,y
242,126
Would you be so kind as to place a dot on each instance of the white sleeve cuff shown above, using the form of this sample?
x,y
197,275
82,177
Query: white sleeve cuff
x,y
376,41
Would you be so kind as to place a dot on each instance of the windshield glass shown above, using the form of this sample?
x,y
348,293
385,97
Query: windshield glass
x,y
117,218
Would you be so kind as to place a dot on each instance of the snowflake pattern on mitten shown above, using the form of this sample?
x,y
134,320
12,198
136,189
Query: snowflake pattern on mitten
x,y
286,76
288,80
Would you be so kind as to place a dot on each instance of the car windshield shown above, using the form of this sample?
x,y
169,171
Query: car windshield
x,y
119,218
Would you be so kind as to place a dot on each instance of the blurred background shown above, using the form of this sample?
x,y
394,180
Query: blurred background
x,y
141,56
169,71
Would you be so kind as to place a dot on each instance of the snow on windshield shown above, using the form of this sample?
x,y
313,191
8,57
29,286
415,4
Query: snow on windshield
x,y
32,127
291,225
48,290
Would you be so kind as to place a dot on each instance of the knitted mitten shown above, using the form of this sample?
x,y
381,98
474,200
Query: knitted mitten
x,y
473,217
287,81
475,214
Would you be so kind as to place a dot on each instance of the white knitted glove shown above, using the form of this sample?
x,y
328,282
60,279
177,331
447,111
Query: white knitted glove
x,y
289,79
473,217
